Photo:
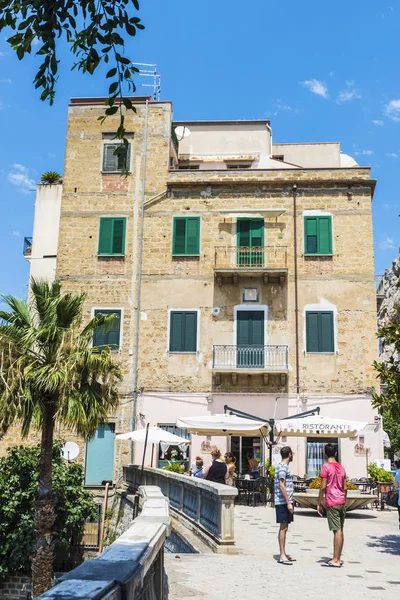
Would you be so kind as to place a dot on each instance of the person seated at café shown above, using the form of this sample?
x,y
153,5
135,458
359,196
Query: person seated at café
x,y
216,471
254,467
197,468
231,467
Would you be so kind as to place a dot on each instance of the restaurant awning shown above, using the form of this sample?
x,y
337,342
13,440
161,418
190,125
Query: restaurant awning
x,y
317,426
224,424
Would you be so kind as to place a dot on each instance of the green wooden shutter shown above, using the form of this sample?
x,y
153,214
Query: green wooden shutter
x,y
179,235
310,235
123,158
243,232
176,332
109,336
183,331
105,236
312,337
109,158
256,232
326,335
190,332
118,242
324,235
192,236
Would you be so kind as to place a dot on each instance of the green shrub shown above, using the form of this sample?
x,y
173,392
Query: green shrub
x,y
175,467
18,490
270,469
316,484
378,474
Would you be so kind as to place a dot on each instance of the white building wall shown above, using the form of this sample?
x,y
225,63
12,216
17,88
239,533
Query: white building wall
x,y
46,226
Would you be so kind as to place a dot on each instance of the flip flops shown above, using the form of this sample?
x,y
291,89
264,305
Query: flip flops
x,y
330,564
284,562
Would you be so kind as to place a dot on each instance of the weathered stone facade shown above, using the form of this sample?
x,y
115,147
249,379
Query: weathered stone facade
x,y
175,384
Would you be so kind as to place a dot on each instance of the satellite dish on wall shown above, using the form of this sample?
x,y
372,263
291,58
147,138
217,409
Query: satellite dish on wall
x,y
181,132
70,450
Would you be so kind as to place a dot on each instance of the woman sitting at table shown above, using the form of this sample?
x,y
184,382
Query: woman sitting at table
x,y
231,467
216,471
254,467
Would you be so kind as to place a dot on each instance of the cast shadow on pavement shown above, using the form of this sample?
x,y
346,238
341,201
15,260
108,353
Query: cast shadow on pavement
x,y
385,543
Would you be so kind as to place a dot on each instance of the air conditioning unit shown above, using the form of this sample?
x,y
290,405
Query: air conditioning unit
x,y
215,311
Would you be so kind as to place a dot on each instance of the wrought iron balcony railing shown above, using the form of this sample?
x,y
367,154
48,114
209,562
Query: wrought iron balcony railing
x,y
27,246
271,358
250,257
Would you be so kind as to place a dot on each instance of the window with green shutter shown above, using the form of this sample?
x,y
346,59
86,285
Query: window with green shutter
x,y
183,331
112,236
318,235
186,236
320,331
108,336
115,163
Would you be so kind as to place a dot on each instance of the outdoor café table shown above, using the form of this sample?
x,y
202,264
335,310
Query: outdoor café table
x,y
250,489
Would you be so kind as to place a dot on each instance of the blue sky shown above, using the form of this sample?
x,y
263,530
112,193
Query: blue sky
x,y
321,71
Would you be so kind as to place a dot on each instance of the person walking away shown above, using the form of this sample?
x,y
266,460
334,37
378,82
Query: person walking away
x,y
254,467
284,502
197,468
333,487
397,484
217,469
231,467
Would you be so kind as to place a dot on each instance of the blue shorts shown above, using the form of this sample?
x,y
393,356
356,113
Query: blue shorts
x,y
283,514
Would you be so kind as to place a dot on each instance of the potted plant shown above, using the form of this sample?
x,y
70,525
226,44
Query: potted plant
x,y
50,177
383,478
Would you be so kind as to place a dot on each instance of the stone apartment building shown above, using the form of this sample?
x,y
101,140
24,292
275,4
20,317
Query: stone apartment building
x,y
241,272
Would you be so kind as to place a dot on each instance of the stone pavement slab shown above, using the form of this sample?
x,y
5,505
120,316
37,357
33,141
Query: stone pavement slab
x,y
371,560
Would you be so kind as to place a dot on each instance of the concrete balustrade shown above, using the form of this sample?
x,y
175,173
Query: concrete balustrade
x,y
205,507
132,567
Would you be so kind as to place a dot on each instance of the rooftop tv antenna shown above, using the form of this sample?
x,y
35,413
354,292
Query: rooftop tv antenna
x,y
148,70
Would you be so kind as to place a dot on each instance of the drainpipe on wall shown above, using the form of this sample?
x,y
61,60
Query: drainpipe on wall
x,y
296,294
139,278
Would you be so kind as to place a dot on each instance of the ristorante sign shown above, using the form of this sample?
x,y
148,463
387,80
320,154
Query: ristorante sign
x,y
317,427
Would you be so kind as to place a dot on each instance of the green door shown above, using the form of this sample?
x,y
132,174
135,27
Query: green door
x,y
250,338
250,234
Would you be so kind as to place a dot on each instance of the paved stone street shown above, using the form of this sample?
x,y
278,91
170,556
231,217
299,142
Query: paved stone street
x,y
371,560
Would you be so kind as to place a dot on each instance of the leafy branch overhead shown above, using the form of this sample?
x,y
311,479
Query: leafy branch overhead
x,y
95,30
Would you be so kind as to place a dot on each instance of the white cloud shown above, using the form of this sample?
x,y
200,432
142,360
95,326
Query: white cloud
x,y
19,167
378,122
35,41
316,87
392,110
3,54
21,179
6,80
387,243
287,108
392,155
17,233
348,94
51,155
364,152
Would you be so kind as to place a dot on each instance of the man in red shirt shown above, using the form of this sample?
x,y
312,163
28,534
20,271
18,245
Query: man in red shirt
x,y
333,486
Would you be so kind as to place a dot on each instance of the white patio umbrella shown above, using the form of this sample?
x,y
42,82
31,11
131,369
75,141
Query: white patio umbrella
x,y
154,435
317,426
224,425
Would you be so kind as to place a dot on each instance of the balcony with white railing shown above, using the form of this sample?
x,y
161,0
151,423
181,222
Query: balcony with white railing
x,y
265,261
250,359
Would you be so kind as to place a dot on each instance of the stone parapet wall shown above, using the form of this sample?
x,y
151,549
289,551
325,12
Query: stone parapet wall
x,y
132,567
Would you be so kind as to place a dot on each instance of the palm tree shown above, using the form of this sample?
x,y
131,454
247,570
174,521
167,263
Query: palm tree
x,y
50,177
48,374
